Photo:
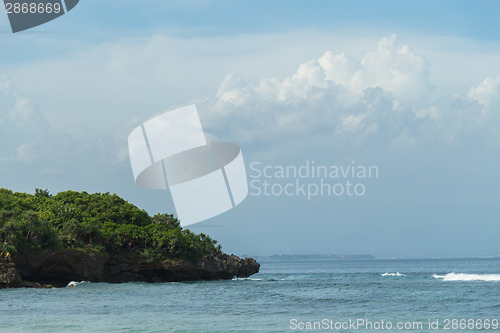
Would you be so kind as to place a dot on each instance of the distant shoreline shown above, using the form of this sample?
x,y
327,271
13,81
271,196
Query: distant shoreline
x,y
289,257
314,257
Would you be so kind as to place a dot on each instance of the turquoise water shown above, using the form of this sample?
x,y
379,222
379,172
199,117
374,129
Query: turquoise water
x,y
281,298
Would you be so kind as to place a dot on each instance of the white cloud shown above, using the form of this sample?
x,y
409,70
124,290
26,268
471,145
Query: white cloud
x,y
26,152
396,69
26,138
353,100
104,85
234,90
20,120
375,96
487,93
378,97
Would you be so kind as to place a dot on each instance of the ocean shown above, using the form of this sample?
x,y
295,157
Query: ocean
x,y
426,295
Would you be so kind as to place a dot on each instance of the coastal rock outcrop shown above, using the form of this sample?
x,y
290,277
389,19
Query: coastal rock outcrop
x,y
58,267
9,277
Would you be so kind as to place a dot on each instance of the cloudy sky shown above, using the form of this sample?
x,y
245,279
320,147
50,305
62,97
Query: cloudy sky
x,y
411,87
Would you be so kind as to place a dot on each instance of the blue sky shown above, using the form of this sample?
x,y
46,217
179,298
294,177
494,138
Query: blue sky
x,y
463,18
410,86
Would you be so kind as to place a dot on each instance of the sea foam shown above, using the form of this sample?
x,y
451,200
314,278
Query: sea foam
x,y
467,277
246,279
392,274
74,283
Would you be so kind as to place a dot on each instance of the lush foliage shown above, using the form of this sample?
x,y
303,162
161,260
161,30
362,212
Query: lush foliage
x,y
100,221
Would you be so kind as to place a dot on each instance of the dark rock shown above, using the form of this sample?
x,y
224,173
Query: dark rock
x,y
127,267
58,267
61,266
9,277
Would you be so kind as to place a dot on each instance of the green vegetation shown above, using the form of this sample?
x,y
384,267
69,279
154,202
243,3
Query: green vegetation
x,y
94,222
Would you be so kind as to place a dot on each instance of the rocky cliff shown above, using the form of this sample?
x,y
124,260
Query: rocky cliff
x,y
58,267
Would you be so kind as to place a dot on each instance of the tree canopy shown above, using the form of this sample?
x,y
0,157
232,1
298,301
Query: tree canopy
x,y
94,222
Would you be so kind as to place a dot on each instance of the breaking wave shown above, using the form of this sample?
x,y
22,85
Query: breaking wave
x,y
392,274
246,279
267,279
467,277
74,283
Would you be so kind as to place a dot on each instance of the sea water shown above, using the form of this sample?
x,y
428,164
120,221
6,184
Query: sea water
x,y
432,295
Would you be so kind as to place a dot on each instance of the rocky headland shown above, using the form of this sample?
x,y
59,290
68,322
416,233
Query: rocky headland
x,y
50,240
56,268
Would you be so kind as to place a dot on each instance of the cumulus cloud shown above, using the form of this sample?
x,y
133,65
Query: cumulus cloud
x,y
393,68
379,97
487,93
396,69
21,123
370,102
27,138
